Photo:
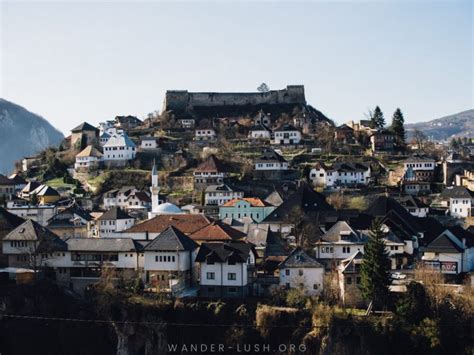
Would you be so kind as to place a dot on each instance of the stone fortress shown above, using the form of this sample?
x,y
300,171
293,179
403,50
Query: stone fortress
x,y
185,101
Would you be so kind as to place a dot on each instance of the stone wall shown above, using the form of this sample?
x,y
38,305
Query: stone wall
x,y
182,100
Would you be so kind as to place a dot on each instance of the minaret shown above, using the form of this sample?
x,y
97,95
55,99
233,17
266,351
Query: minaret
x,y
155,188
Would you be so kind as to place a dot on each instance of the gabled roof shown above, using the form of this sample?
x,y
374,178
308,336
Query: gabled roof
x,y
352,263
186,223
172,239
299,258
84,127
305,199
33,231
30,187
446,242
45,190
8,222
212,164
286,127
457,192
344,127
18,179
274,199
5,181
113,214
260,127
102,244
72,211
217,231
269,155
383,205
253,201
141,196
408,201
90,151
219,188
222,252
342,231
120,140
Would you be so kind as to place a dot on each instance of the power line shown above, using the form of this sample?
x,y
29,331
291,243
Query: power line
x,y
164,323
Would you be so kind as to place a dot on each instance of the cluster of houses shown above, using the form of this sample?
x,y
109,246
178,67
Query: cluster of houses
x,y
243,239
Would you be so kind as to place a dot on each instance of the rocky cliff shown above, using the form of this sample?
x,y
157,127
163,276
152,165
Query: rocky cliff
x,y
22,133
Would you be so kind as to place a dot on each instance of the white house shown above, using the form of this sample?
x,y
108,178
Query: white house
x,y
423,168
169,260
113,221
340,174
148,143
119,148
205,134
338,243
227,269
186,122
89,158
299,270
217,195
39,213
452,252
413,205
270,160
260,131
118,197
460,201
286,135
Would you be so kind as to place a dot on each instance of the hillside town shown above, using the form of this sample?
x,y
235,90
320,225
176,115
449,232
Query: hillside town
x,y
240,196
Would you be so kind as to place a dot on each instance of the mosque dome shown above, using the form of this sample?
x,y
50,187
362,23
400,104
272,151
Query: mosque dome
x,y
167,208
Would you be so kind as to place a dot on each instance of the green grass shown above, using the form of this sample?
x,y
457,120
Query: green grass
x,y
58,183
97,181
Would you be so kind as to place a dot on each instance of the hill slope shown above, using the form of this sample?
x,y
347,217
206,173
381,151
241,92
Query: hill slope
x,y
23,133
458,125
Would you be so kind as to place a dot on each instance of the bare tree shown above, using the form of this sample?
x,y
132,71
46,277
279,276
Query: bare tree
x,y
263,88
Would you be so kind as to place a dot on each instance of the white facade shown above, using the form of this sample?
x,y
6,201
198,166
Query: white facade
x,y
110,228
461,207
223,274
331,177
420,165
119,148
169,260
260,134
271,165
310,279
40,213
86,162
217,197
205,134
286,137
148,144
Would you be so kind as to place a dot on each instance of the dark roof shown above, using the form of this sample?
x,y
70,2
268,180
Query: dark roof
x,y
411,201
285,127
349,167
212,163
5,181
33,231
457,192
31,186
344,127
445,243
8,222
84,127
18,179
222,252
383,205
68,214
462,233
102,244
270,155
306,199
172,239
113,214
299,258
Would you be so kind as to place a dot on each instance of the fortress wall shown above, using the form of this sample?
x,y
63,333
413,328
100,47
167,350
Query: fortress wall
x,y
184,100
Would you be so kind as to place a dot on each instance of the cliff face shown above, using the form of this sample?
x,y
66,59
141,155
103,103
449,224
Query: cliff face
x,y
23,133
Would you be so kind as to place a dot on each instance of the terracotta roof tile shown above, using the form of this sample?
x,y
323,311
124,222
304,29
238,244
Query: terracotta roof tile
x,y
186,223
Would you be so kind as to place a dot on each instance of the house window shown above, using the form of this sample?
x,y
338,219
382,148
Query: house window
x,y
209,262
315,286
287,272
349,280
300,272
346,250
210,275
231,276
232,290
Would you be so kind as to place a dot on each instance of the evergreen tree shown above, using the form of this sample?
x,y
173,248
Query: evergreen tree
x,y
398,128
374,271
454,143
377,119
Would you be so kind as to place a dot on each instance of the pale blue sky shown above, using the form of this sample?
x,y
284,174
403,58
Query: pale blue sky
x,y
89,61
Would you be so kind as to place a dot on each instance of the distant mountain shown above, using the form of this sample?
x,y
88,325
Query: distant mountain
x,y
23,133
458,125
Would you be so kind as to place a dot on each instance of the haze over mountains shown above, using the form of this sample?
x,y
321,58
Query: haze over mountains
x,y
23,133
458,125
